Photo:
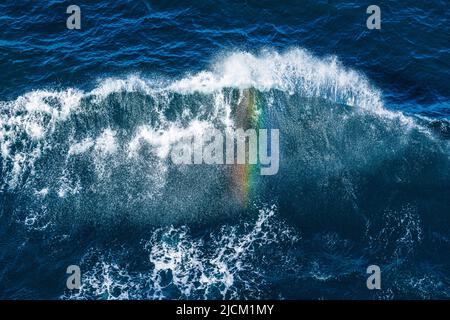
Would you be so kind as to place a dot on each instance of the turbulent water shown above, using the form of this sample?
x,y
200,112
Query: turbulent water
x,y
88,119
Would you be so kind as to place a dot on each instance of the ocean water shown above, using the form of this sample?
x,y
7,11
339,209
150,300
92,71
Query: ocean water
x,y
87,118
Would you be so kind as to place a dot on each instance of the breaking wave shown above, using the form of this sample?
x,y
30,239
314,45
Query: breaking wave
x,y
358,181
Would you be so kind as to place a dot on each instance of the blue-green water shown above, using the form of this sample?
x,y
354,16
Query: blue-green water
x,y
87,117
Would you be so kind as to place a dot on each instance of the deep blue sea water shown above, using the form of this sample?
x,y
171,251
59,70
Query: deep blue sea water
x,y
85,117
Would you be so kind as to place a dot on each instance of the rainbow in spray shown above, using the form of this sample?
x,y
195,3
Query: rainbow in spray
x,y
247,115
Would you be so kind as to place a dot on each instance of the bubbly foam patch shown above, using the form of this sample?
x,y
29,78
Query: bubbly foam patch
x,y
222,265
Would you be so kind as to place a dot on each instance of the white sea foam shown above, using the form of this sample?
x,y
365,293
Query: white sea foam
x,y
187,265
81,147
132,83
291,71
106,142
163,139
29,121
